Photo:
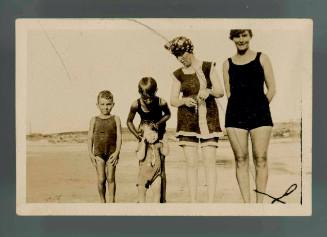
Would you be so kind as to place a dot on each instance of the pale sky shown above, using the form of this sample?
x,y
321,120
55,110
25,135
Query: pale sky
x,y
70,61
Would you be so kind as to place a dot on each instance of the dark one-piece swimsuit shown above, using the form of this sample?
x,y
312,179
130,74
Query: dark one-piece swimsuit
x,y
105,135
154,115
248,106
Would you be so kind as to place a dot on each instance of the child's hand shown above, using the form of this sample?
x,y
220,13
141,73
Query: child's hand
x,y
154,126
113,158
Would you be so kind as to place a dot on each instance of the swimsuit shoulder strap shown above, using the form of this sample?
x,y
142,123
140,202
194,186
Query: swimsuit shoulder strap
x,y
258,56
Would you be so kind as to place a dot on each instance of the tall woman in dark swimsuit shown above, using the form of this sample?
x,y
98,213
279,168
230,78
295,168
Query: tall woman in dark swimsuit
x,y
248,114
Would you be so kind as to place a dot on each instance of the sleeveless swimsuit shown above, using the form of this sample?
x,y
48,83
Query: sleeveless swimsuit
x,y
154,115
105,135
248,106
194,123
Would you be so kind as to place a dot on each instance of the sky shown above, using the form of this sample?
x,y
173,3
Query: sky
x,y
70,61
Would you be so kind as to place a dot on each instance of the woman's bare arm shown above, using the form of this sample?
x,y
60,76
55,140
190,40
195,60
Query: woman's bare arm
x,y
217,90
226,78
175,99
269,77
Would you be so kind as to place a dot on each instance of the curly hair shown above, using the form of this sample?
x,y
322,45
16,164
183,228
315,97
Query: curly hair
x,y
179,45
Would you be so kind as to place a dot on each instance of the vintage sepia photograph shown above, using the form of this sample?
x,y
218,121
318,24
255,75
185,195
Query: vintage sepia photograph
x,y
164,117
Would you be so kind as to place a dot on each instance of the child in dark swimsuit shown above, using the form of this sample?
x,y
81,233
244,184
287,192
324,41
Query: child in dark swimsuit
x,y
104,144
153,110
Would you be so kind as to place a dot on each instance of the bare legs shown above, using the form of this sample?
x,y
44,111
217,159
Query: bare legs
x,y
239,142
260,140
191,156
141,194
110,172
156,189
106,173
163,180
100,167
209,153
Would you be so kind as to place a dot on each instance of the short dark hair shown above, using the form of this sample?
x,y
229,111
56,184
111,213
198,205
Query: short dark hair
x,y
106,95
236,32
147,85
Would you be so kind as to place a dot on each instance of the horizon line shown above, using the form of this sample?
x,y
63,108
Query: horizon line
x,y
126,128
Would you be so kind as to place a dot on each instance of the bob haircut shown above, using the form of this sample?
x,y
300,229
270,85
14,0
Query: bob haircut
x,y
236,32
147,85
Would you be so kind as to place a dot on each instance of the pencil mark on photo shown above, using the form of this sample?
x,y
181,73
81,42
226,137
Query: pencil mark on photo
x,y
56,51
149,28
290,190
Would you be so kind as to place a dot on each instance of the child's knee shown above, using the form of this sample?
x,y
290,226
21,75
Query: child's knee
x,y
110,172
111,179
102,180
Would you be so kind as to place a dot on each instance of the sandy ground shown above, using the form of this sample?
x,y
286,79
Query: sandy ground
x,y
62,173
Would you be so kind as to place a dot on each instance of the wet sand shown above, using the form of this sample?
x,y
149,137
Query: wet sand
x,y
62,173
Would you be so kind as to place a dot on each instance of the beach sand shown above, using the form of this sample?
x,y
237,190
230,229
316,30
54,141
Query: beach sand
x,y
62,173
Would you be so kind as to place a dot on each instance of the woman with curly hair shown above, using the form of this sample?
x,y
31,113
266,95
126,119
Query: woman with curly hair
x,y
195,87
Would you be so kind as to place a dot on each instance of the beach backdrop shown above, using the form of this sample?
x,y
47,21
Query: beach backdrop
x,y
59,169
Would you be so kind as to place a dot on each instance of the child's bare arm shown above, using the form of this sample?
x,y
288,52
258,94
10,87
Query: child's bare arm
x,y
165,108
113,159
130,119
141,149
90,141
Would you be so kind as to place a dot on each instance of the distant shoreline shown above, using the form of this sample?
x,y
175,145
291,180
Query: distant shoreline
x,y
280,130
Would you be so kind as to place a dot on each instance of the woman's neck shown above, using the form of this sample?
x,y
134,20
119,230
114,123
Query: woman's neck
x,y
194,61
241,59
194,64
244,53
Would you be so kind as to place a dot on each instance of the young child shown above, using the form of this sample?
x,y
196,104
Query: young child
x,y
152,110
104,143
149,151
